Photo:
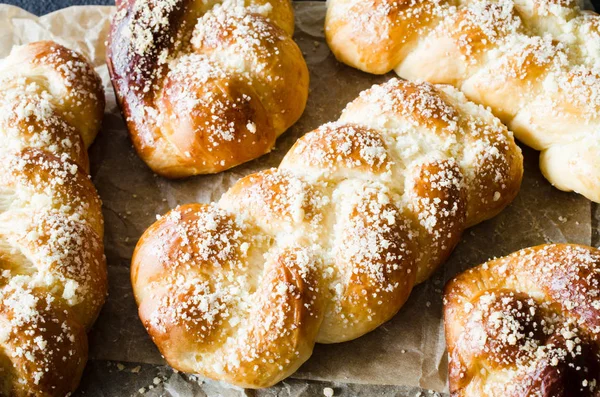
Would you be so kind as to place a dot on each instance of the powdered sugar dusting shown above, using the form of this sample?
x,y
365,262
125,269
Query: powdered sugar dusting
x,y
53,274
535,63
329,245
524,318
203,81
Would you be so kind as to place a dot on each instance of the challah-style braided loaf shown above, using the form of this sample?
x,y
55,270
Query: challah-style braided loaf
x,y
328,246
206,85
535,63
526,325
53,271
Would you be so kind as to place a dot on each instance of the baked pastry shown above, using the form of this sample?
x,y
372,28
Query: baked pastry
x,y
206,85
535,63
52,266
527,324
328,246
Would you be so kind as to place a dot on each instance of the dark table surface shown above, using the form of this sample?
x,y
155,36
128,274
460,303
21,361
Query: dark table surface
x,y
41,7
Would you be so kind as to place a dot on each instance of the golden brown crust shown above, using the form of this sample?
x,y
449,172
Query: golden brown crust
x,y
205,86
535,63
53,272
328,246
211,307
526,324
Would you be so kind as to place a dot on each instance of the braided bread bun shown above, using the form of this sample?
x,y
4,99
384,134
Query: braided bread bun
x,y
526,325
535,63
53,271
206,85
328,246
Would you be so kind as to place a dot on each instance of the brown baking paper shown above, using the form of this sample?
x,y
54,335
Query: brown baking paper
x,y
409,350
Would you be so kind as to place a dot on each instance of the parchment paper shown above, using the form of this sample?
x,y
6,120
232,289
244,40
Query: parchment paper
x,y
407,351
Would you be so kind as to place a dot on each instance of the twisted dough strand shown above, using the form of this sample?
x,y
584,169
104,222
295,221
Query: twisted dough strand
x,y
328,246
206,85
53,271
535,63
526,324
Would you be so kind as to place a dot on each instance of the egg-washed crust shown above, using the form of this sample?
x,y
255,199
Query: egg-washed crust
x,y
328,246
52,265
526,324
535,63
206,85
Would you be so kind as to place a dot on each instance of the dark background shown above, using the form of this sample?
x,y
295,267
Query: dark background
x,y
41,7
